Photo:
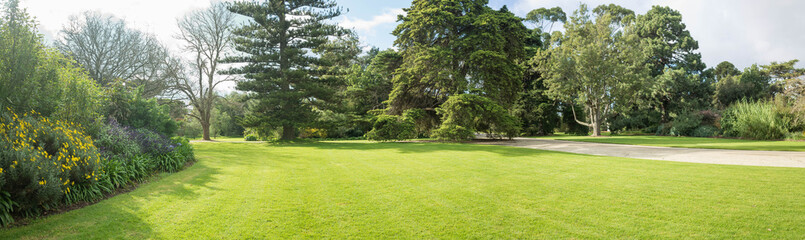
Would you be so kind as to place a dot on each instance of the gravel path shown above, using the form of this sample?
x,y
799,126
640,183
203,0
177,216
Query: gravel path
x,y
714,156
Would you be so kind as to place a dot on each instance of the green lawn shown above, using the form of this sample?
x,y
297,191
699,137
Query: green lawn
x,y
223,139
357,189
689,142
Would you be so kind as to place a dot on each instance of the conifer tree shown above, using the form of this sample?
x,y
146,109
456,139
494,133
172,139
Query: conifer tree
x,y
279,70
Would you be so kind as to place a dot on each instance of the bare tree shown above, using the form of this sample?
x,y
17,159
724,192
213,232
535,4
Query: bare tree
x,y
207,34
110,50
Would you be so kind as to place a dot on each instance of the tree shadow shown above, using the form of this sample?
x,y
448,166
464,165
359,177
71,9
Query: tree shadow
x,y
186,183
424,147
100,220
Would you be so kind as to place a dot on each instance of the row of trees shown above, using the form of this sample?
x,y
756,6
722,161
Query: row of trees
x,y
459,67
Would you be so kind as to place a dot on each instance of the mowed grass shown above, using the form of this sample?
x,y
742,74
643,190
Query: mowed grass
x,y
690,142
358,189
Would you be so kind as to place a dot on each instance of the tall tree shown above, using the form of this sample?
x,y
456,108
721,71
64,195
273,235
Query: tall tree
x,y
110,50
207,35
20,50
669,46
595,66
538,112
450,47
279,71
725,69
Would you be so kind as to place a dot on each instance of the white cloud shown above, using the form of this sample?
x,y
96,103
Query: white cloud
x,y
389,16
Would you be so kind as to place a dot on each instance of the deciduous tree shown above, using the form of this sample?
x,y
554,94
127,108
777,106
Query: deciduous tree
x,y
108,49
207,35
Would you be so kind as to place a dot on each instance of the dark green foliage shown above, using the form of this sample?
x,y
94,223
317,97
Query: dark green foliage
x,y
391,128
129,108
281,74
539,113
674,84
684,125
705,131
452,47
7,205
250,138
464,114
569,124
666,41
724,70
753,84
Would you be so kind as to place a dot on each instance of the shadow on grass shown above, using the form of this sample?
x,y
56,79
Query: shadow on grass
x,y
104,220
419,147
186,183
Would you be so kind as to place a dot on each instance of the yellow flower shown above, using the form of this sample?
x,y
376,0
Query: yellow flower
x,y
43,182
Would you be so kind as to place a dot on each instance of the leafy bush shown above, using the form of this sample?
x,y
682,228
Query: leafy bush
x,y
251,137
467,113
685,124
129,108
453,132
391,128
761,120
41,161
705,131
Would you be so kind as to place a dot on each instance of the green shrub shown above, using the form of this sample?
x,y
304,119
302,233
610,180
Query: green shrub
x,y
251,137
705,131
42,161
467,113
761,120
685,124
453,132
129,108
391,128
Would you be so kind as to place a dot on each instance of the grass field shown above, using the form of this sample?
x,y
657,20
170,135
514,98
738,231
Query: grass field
x,y
690,142
428,190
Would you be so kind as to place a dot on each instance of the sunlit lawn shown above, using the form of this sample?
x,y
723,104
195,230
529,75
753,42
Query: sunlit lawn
x,y
357,189
690,142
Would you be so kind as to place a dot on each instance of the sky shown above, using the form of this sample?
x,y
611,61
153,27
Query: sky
x,y
743,32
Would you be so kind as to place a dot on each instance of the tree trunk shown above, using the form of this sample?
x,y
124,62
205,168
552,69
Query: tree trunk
x,y
596,129
288,132
205,126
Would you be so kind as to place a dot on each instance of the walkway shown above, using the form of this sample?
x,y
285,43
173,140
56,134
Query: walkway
x,y
714,156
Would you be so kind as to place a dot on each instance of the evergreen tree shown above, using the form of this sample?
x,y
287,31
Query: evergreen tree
x,y
280,72
450,47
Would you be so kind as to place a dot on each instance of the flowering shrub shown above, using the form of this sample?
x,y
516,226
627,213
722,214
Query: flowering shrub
x,y
44,163
41,161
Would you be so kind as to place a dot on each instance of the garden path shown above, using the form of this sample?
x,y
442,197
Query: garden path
x,y
712,156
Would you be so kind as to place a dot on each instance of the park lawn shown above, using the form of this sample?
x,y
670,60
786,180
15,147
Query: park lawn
x,y
357,189
689,142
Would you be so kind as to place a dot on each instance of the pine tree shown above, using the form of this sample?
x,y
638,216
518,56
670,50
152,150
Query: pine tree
x,y
279,71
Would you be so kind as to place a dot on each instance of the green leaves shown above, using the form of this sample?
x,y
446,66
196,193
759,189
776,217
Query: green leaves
x,y
280,72
452,47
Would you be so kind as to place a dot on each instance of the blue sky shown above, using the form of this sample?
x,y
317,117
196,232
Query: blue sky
x,y
740,31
